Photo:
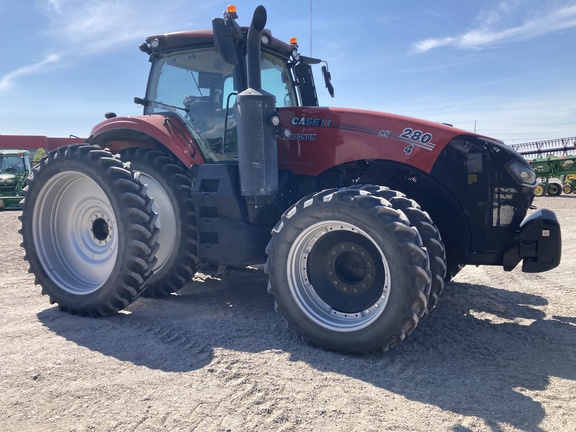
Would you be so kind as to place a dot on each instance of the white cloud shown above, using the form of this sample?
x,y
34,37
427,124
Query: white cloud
x,y
55,4
78,28
7,80
97,25
431,43
490,30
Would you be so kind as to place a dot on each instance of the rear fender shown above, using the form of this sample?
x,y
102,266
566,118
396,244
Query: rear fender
x,y
149,131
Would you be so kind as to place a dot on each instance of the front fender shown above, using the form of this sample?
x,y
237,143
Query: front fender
x,y
119,133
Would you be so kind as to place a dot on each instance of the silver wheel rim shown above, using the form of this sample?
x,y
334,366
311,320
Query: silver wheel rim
x,y
306,296
166,220
75,233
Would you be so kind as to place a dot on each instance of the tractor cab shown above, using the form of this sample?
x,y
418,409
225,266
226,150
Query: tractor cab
x,y
197,75
200,88
14,167
14,162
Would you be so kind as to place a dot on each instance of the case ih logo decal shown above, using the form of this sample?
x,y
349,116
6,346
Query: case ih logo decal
x,y
306,121
311,121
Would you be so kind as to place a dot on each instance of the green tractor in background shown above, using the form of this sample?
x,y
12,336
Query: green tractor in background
x,y
569,183
557,175
14,168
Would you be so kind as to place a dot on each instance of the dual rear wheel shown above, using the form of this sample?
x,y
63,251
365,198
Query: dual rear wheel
x,y
168,183
98,232
89,230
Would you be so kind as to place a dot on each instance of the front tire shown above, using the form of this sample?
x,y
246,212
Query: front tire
x,y
347,271
169,186
429,233
88,230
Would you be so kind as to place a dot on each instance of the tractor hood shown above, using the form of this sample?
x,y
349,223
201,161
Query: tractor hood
x,y
313,139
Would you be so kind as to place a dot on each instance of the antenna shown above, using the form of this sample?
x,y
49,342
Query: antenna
x,y
310,28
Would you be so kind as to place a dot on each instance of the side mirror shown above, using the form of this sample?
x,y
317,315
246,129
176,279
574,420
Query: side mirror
x,y
327,79
224,41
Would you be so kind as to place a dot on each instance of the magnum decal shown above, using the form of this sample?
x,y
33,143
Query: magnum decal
x,y
298,136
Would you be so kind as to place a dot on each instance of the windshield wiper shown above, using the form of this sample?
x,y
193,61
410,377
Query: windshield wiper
x,y
147,102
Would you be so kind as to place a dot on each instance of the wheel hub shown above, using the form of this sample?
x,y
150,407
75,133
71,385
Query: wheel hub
x,y
100,229
343,271
350,268
339,276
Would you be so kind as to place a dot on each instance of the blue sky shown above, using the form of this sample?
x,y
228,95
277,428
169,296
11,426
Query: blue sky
x,y
504,68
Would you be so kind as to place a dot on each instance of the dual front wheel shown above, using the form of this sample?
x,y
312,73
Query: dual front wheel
x,y
349,271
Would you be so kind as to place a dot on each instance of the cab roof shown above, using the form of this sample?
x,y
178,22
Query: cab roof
x,y
201,38
4,152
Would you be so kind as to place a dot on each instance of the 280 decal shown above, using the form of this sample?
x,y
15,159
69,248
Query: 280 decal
x,y
416,135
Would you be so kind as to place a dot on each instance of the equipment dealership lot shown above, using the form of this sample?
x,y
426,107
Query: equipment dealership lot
x,y
497,353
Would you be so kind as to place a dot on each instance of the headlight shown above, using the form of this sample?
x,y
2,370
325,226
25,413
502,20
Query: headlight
x,y
521,172
7,180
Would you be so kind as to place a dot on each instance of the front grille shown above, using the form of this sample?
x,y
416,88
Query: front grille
x,y
504,208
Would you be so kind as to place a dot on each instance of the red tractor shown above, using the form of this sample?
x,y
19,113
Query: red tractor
x,y
359,216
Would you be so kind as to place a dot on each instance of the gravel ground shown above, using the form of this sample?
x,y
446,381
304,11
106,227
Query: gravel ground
x,y
497,354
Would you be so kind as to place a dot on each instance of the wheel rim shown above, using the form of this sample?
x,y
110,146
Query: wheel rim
x,y
553,189
539,190
75,233
338,276
166,219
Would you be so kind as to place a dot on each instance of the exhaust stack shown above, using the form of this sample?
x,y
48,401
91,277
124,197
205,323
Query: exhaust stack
x,y
254,109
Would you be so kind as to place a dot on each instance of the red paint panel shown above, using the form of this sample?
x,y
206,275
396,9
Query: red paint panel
x,y
165,129
321,138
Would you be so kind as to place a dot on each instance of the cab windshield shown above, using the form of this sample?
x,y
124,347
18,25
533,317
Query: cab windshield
x,y
12,165
200,88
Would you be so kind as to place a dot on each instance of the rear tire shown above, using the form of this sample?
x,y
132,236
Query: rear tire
x,y
169,186
347,271
88,230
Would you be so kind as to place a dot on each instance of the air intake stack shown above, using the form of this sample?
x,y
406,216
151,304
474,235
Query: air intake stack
x,y
254,110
